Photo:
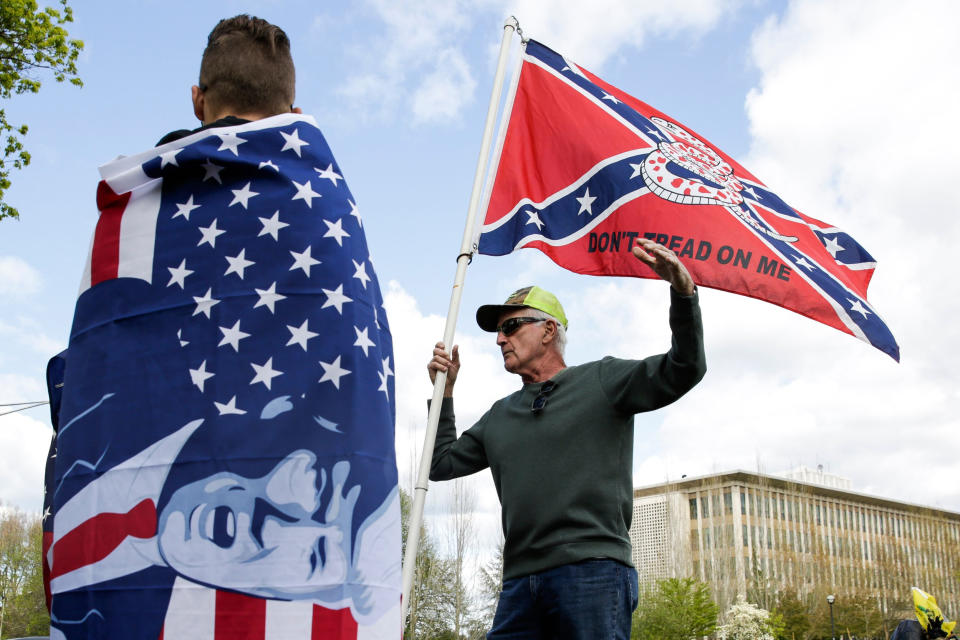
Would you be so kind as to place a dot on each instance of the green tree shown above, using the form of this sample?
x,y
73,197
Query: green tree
x,y
491,585
793,613
31,39
675,609
433,597
24,610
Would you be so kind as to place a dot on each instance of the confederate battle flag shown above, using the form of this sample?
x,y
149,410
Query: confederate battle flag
x,y
583,170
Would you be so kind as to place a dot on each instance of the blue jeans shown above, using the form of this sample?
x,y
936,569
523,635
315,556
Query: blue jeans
x,y
588,600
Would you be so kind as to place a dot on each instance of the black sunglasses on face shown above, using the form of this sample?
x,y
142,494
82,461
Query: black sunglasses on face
x,y
510,325
541,400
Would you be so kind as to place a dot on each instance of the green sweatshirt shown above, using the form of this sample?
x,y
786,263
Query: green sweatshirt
x,y
565,475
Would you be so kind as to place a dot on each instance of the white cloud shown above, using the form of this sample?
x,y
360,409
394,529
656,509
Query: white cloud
x,y
27,333
482,380
422,58
591,34
845,125
417,62
24,441
17,277
445,91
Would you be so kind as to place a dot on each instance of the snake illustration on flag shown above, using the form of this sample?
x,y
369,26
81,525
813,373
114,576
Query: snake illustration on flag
x,y
224,461
583,169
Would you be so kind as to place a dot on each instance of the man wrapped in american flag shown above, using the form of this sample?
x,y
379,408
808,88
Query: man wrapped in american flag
x,y
224,465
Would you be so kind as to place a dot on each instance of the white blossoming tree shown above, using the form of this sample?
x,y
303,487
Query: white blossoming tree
x,y
746,621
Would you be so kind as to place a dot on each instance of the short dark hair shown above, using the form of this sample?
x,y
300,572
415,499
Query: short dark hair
x,y
247,66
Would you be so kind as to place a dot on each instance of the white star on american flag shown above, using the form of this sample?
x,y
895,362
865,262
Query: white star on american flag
x,y
242,196
229,142
332,372
335,231
303,260
329,174
265,373
336,299
272,226
300,335
292,142
238,264
184,209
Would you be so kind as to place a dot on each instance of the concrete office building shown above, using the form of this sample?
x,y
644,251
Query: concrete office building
x,y
806,531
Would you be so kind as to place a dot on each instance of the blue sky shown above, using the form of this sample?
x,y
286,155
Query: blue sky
x,y
840,108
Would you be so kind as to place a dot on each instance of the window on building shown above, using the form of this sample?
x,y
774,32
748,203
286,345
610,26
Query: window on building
x,y
783,509
704,507
745,539
743,503
727,502
693,508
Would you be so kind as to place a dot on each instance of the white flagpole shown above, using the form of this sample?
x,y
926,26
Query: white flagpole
x,y
466,253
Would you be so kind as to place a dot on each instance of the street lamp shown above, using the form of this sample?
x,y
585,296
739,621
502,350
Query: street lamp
x,y
830,600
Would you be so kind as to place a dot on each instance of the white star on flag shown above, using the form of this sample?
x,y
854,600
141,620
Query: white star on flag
x,y
335,231
209,234
355,212
229,142
233,336
752,192
184,209
178,275
268,297
211,171
360,272
200,375
305,192
170,157
303,260
802,261
205,303
238,264
586,202
300,335
385,374
265,373
292,142
636,170
363,340
329,174
272,226
832,246
183,342
859,308
230,408
607,96
534,219
336,299
269,165
242,196
332,372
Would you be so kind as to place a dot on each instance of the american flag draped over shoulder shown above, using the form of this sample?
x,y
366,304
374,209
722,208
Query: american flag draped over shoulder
x,y
584,169
224,463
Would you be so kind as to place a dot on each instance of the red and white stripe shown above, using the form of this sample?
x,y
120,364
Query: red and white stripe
x,y
202,613
123,242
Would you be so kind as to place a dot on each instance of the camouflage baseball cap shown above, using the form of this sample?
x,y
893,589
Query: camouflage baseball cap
x,y
533,297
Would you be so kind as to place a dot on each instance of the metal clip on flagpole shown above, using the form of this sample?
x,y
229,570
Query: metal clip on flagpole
x,y
466,255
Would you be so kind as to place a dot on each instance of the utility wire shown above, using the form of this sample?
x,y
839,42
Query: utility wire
x,y
29,405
